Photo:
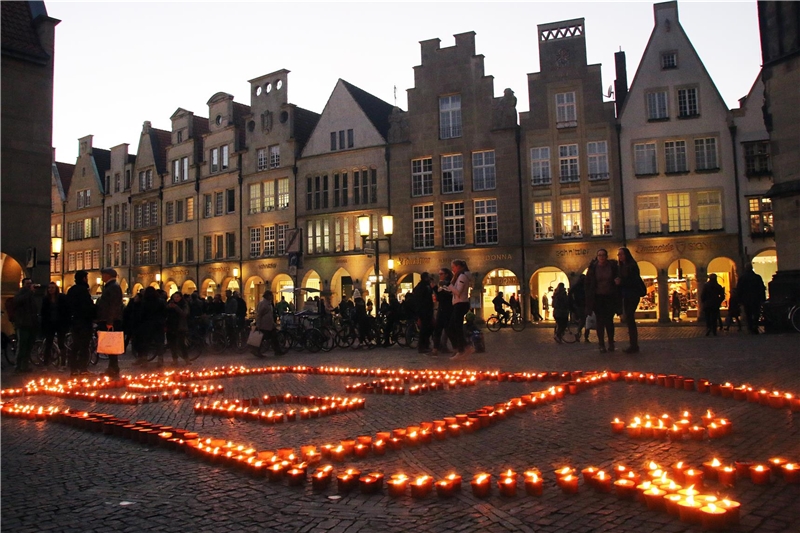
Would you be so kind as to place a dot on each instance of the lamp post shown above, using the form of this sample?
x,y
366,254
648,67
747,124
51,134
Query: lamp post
x,y
55,249
388,229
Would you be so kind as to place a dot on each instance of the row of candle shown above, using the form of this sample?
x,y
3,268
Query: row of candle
x,y
275,417
48,385
658,428
775,398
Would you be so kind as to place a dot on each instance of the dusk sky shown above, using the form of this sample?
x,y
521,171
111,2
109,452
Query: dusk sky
x,y
118,64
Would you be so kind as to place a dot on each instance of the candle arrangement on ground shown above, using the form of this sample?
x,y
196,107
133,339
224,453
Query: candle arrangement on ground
x,y
660,427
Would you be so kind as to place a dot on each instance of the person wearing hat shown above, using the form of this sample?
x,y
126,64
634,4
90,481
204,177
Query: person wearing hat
x,y
109,313
711,298
82,314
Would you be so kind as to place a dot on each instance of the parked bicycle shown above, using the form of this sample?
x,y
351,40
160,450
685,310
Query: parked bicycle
x,y
229,333
571,334
495,323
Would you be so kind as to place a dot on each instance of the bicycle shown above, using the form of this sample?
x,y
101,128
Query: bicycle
x,y
571,334
10,348
228,333
261,350
494,323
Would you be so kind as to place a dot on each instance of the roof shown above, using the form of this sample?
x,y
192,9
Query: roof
x,y
239,112
131,159
199,126
18,34
160,140
304,123
102,160
376,109
64,173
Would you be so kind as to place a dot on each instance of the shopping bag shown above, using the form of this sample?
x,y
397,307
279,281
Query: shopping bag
x,y
591,321
111,342
254,339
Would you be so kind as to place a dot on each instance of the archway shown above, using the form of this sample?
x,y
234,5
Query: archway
x,y
310,281
188,287
136,288
155,285
543,282
682,277
341,285
765,264
648,305
231,284
497,281
123,285
209,288
725,269
283,286
253,290
171,288
12,275
406,283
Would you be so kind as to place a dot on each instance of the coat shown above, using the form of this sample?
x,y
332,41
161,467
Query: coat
x,y
81,307
591,287
560,304
109,306
60,321
712,296
265,315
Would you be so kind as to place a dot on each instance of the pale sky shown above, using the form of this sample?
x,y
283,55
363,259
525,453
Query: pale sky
x,y
118,64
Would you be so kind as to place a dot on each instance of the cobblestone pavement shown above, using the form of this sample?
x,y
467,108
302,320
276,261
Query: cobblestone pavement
x,y
59,478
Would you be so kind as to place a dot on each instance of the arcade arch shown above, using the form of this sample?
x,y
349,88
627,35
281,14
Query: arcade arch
x,y
543,282
341,285
253,291
497,281
682,278
765,264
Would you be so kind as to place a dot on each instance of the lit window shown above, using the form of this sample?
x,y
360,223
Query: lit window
x,y
709,210
571,218
760,211
678,212
542,220
649,214
601,216
255,242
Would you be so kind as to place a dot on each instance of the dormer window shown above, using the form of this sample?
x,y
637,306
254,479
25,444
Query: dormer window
x,y
180,136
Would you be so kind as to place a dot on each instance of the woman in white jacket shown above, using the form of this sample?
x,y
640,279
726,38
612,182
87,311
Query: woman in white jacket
x,y
460,289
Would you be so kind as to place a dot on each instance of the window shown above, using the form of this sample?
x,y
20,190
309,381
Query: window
x,y
483,173
318,237
189,246
118,253
568,163
760,217
179,251
350,138
675,156
281,230
645,159
360,187
109,219
170,259
333,141
261,159
283,193
310,236
127,179
454,226
214,159
117,217
649,214
84,198
756,158
326,236
274,156
137,216
255,198
571,218
598,160
117,182
657,106
107,188
124,216
705,154
317,192
179,212
170,207
207,206
208,250
373,187
669,60
423,226
255,242
309,193
269,241
542,220
109,254
709,210
452,174
450,116
486,221
540,166
224,161
180,136
687,103
180,170
71,261
219,244
189,209
230,244
230,200
124,255
219,203
566,111
601,216
421,177
678,212
145,180
341,139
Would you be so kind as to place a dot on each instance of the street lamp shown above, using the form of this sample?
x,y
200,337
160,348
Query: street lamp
x,y
388,229
55,250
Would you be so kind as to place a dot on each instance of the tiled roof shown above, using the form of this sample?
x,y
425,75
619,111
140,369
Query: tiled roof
x,y
65,171
102,159
376,109
17,32
160,140
200,126
239,112
304,123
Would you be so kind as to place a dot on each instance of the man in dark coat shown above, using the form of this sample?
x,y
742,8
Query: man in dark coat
x,y
82,313
423,300
711,297
26,322
752,293
109,313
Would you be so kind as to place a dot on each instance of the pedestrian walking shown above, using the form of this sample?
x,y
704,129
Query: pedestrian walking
x,y
752,294
26,323
631,288
148,327
546,306
82,314
265,322
602,297
560,311
109,314
676,306
55,323
177,327
444,309
459,287
535,315
423,300
711,297
577,305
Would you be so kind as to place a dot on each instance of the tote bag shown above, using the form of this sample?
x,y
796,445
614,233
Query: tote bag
x,y
111,342
254,339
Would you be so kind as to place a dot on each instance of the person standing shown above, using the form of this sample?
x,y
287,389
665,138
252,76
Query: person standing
x,y
632,289
444,309
82,314
752,293
460,290
560,311
676,306
391,317
265,322
535,315
55,323
423,299
710,298
148,328
577,305
546,306
26,321
177,326
109,313
602,297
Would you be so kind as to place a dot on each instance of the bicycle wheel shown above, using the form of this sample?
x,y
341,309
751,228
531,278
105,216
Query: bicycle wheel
x,y
196,346
218,341
240,344
570,334
37,353
10,348
399,334
345,338
330,338
493,324
313,340
794,318
517,323
412,335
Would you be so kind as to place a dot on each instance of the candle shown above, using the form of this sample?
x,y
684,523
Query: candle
x,y
563,472
689,510
397,485
444,488
687,492
379,447
731,511
654,498
671,503
715,431
338,454
507,486
348,480
743,468
601,482
296,477
776,463
713,518
791,472
670,488
625,488
677,471
361,450
760,474
321,479
726,476
368,484
693,477
421,486
697,432
620,471
481,485
708,417
617,425
533,483
588,473
569,484
710,468
634,431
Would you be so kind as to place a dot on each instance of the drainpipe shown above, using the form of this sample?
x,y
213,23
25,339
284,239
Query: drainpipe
x,y
742,257
524,290
621,186
241,230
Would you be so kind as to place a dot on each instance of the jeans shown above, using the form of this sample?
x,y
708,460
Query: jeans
x,y
442,321
455,328
629,305
25,339
48,345
79,356
604,309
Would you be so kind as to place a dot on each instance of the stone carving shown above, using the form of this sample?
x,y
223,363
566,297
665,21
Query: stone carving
x,y
504,112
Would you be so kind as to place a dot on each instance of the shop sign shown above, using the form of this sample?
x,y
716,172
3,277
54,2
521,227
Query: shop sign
x,y
499,257
212,270
180,272
266,266
579,252
680,246
503,282
405,261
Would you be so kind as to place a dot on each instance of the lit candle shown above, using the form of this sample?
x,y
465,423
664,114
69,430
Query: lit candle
x,y
671,503
563,472
776,463
569,484
654,498
689,510
634,431
693,477
321,479
760,474
348,480
588,473
708,417
731,511
726,476
379,447
421,486
670,488
713,518
296,477
397,485
444,488
533,483
625,488
507,486
601,482
481,485
710,468
368,483
791,472
697,432
617,425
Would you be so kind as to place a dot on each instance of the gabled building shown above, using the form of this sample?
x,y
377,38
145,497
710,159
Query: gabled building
x,y
569,162
61,179
276,133
116,214
181,200
754,180
678,171
145,201
454,162
343,173
84,212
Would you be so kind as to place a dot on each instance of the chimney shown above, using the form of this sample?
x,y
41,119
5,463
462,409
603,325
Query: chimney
x,y
621,83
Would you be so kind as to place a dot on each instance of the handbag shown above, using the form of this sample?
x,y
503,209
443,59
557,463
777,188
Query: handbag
x,y
640,289
255,338
591,321
111,342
